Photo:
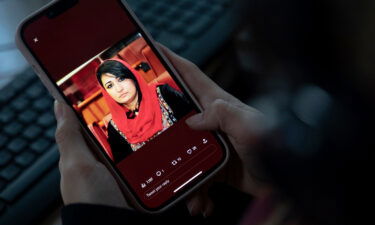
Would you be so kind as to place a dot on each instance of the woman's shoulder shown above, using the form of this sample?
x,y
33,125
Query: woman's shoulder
x,y
111,126
175,99
163,87
166,91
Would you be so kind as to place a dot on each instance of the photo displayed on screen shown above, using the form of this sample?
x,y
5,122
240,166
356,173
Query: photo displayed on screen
x,y
126,97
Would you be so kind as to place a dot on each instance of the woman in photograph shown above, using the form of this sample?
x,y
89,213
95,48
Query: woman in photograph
x,y
140,111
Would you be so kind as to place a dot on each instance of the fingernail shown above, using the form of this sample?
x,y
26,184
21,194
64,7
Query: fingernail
x,y
194,119
59,112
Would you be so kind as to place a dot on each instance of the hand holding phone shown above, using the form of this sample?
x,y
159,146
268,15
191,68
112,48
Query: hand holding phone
x,y
83,178
130,101
93,181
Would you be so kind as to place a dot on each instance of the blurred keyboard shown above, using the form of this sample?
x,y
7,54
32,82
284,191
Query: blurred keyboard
x,y
28,155
29,178
194,29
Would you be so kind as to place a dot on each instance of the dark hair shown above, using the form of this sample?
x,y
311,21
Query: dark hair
x,y
118,70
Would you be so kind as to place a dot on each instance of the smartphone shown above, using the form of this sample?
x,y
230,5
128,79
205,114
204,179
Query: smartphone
x,y
132,104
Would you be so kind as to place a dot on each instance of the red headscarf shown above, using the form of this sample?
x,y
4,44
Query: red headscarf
x,y
149,119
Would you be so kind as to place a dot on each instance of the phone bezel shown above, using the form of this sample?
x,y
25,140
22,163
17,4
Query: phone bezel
x,y
55,92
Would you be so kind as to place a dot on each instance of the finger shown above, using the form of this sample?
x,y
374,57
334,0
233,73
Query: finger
x,y
194,206
71,144
208,208
233,119
200,203
202,87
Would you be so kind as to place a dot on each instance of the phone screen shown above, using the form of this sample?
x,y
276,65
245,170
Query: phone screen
x,y
127,97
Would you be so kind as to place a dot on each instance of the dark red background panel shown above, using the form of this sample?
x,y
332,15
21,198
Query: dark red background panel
x,y
82,35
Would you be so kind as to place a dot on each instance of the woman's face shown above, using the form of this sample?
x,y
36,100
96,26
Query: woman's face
x,y
122,90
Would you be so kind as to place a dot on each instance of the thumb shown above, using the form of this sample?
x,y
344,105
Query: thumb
x,y
213,117
200,203
234,119
72,145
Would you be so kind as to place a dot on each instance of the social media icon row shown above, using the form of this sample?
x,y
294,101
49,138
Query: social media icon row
x,y
176,161
148,181
191,150
159,173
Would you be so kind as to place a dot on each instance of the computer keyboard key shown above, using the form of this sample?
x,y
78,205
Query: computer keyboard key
x,y
2,206
35,90
20,103
201,7
147,17
43,103
6,94
185,4
144,5
27,77
3,140
51,133
40,145
27,116
6,115
189,17
25,159
30,175
176,27
5,158
17,145
47,119
160,8
160,23
10,172
32,132
13,128
175,42
197,28
173,13
153,31
134,3
215,11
